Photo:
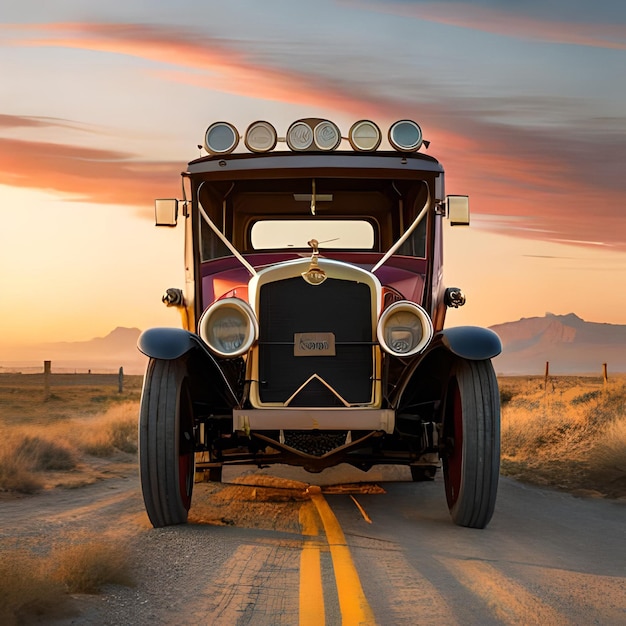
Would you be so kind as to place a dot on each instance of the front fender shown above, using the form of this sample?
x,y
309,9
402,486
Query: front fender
x,y
470,342
167,343
173,343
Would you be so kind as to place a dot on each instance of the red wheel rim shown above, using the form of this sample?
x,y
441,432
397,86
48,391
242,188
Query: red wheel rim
x,y
454,442
185,478
185,449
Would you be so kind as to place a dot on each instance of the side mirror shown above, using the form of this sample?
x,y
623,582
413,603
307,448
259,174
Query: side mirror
x,y
165,212
458,210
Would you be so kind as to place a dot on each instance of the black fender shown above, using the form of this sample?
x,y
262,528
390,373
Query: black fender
x,y
167,343
469,342
472,343
173,343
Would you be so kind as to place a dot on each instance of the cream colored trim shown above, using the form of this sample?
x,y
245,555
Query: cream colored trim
x,y
314,419
334,270
222,237
316,377
396,246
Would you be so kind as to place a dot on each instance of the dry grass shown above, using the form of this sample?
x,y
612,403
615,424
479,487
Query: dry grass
x,y
15,473
26,588
85,567
22,399
39,439
31,585
43,454
571,435
23,455
114,430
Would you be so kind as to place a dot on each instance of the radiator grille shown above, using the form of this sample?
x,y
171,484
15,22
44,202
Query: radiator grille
x,y
341,307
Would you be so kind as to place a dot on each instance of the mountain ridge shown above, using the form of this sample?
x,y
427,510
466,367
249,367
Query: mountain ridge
x,y
569,343
100,354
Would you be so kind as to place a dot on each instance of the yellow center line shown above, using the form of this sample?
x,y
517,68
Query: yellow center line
x,y
355,609
311,591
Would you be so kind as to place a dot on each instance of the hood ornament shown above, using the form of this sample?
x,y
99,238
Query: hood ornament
x,y
315,275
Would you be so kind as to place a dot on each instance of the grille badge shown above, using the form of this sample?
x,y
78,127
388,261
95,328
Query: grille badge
x,y
314,344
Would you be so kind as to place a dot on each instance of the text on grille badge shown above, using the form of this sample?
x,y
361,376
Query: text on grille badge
x,y
314,344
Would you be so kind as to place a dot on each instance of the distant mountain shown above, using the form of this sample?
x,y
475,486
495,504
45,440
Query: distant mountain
x,y
119,340
101,354
570,344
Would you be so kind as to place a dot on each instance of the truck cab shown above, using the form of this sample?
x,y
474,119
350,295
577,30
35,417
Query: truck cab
x,y
313,320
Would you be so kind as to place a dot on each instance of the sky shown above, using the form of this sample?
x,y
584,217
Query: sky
x,y
103,104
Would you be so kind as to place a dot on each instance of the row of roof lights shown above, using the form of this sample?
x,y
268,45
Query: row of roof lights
x,y
312,134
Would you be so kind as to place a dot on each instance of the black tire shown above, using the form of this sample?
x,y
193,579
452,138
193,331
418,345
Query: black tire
x,y
471,438
166,443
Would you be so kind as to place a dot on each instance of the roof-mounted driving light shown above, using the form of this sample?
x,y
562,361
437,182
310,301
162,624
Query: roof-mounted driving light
x,y
299,136
221,138
260,137
364,136
406,136
326,135
404,329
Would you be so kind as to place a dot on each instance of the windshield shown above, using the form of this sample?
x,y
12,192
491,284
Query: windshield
x,y
343,214
335,234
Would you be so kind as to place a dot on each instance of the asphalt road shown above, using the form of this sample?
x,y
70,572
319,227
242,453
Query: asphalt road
x,y
388,558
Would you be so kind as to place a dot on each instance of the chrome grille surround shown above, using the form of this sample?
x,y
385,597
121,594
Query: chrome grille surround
x,y
345,306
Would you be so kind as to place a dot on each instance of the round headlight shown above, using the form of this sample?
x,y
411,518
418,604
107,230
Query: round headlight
x,y
260,137
404,329
229,327
364,136
221,138
405,136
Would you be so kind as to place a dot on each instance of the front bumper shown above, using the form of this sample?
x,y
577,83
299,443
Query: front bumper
x,y
352,418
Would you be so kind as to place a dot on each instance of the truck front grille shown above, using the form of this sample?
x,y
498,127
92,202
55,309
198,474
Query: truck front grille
x,y
292,306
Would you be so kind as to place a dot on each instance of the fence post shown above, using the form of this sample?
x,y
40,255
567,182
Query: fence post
x,y
605,376
545,382
120,381
47,367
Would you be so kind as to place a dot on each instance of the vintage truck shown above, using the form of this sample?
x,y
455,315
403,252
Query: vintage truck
x,y
313,320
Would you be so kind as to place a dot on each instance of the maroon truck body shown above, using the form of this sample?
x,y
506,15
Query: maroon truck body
x,y
314,321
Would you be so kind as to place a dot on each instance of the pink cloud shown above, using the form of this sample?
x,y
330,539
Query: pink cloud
x,y
225,68
86,174
546,177
508,22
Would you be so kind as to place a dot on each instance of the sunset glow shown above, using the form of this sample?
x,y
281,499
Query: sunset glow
x,y
102,107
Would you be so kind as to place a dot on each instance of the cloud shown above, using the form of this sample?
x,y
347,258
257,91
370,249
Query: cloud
x,y
206,62
511,22
86,174
11,122
550,176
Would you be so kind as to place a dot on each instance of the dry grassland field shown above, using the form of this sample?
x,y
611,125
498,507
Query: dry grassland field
x,y
568,434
